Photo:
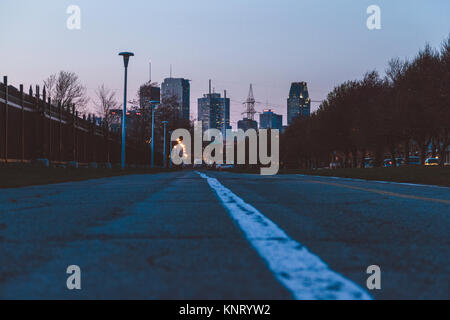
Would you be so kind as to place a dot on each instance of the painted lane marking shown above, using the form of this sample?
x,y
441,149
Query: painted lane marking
x,y
382,192
376,181
304,274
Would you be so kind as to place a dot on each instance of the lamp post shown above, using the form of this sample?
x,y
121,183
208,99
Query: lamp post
x,y
170,150
164,152
153,103
126,58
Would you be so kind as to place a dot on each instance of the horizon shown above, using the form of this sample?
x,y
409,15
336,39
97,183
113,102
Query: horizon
x,y
258,44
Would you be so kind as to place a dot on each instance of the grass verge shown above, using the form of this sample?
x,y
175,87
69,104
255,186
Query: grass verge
x,y
15,176
420,175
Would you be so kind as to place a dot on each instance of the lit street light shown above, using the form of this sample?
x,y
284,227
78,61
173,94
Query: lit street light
x,y
126,58
164,153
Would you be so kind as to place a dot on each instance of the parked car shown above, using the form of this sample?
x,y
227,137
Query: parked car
x,y
227,166
431,162
398,162
221,167
414,160
387,163
334,165
369,163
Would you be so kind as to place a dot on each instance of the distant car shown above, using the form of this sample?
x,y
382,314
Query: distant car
x,y
227,166
387,163
369,163
221,167
398,162
414,160
334,165
431,162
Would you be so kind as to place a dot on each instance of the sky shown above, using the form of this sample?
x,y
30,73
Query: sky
x,y
234,42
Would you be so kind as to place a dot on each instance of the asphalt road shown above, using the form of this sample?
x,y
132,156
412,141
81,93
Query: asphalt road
x,y
225,236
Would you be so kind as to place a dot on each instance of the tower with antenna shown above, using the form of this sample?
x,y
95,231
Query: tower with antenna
x,y
249,119
250,105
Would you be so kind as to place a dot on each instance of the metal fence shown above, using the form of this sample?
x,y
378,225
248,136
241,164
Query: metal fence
x,y
31,128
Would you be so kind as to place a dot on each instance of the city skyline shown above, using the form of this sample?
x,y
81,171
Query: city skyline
x,y
256,50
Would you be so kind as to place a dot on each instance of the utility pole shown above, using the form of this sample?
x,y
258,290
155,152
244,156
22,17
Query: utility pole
x,y
153,105
170,149
153,135
164,152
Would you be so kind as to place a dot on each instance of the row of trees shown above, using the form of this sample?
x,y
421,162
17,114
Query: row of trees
x,y
407,108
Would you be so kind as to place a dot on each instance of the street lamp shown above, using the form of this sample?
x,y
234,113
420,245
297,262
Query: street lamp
x,y
164,153
126,58
152,104
170,150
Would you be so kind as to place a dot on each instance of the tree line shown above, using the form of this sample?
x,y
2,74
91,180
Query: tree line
x,y
406,112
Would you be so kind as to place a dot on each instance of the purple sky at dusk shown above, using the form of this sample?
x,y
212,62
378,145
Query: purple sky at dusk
x,y
233,42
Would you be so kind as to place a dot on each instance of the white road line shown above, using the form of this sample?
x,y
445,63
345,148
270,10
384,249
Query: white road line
x,y
304,274
376,181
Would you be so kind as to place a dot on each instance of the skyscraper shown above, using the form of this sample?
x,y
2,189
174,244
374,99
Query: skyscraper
x,y
211,111
270,120
180,89
298,103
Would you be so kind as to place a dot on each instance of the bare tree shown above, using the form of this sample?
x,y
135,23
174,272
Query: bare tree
x,y
66,88
106,101
145,93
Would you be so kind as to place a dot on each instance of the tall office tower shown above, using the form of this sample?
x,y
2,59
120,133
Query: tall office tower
x,y
211,111
180,89
298,103
270,120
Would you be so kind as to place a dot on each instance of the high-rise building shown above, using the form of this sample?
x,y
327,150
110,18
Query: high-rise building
x,y
211,111
270,120
180,89
298,103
